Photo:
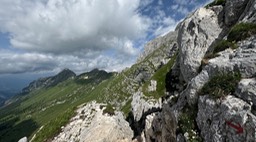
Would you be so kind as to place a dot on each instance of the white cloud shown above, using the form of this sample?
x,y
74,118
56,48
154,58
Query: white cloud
x,y
78,34
11,62
60,26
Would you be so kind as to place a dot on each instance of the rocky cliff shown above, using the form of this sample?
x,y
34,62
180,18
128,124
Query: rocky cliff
x,y
216,65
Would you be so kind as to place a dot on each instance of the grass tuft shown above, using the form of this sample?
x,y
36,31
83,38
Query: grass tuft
x,y
221,85
241,31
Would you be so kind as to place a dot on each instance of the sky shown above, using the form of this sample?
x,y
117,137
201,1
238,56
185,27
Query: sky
x,y
42,37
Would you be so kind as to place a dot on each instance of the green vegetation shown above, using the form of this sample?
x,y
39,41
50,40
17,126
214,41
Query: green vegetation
x,y
222,45
187,123
53,127
216,2
221,85
160,77
241,31
127,107
49,107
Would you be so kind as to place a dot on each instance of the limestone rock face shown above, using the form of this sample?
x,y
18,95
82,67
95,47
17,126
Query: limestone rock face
x,y
90,124
141,106
233,10
243,59
249,14
246,90
151,46
195,35
213,118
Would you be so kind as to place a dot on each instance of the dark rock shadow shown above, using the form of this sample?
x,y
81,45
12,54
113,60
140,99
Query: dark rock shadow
x,y
139,126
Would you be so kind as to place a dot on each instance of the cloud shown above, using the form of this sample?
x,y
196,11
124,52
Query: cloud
x,y
11,62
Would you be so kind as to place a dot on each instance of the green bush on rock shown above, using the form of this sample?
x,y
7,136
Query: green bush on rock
x,y
221,85
241,31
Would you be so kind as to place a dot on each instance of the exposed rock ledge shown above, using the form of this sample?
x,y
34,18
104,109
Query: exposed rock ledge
x,y
91,124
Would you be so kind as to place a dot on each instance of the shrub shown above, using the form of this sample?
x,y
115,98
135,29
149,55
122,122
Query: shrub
x,y
241,31
216,2
221,85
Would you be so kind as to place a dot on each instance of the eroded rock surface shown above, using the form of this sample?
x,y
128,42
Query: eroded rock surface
x,y
90,124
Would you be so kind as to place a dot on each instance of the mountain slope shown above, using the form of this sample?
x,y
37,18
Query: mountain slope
x,y
47,106
49,81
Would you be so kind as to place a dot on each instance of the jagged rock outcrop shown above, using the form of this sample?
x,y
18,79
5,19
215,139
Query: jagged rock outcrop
x,y
233,10
249,14
49,81
91,124
157,125
150,61
214,116
195,34
246,90
159,42
140,106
